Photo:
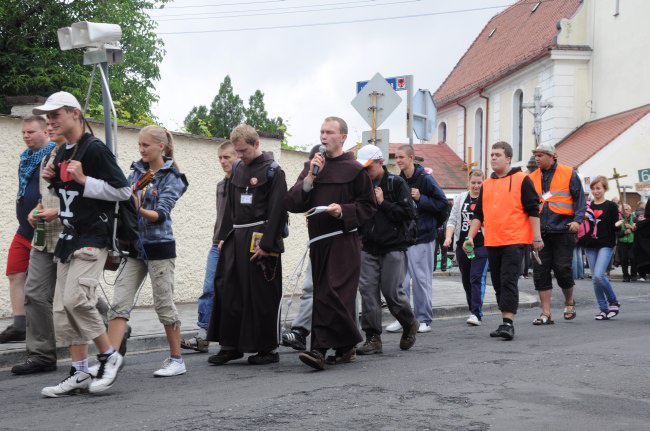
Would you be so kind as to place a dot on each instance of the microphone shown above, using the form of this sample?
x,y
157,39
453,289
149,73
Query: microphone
x,y
321,150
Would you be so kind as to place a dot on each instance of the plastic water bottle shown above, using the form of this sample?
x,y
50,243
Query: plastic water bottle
x,y
470,249
39,232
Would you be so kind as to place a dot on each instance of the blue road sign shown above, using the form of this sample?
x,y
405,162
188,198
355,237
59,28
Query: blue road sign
x,y
397,82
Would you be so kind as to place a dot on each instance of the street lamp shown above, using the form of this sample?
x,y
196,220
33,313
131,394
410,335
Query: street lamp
x,y
100,41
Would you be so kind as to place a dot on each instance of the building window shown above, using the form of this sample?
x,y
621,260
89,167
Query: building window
x,y
442,132
477,155
517,125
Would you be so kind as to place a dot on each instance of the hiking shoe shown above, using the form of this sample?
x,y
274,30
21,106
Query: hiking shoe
x,y
170,368
127,335
408,336
12,335
30,366
77,382
473,320
371,346
264,358
505,331
197,344
424,327
109,366
313,358
225,356
342,357
394,327
295,339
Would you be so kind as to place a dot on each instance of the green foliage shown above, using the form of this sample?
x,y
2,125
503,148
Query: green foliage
x,y
227,111
31,62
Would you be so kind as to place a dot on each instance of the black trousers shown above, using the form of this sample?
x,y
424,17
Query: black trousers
x,y
505,263
557,255
626,259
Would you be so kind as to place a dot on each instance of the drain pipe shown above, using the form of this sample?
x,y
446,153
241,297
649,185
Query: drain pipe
x,y
464,131
487,128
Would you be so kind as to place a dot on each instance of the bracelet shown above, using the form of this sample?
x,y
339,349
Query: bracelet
x,y
537,240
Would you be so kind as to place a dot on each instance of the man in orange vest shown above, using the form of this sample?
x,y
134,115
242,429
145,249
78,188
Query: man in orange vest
x,y
508,207
562,209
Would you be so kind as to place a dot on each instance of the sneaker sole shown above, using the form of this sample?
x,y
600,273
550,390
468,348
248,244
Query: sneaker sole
x,y
168,375
67,394
46,369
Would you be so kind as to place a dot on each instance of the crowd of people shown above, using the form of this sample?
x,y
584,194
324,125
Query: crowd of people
x,y
372,234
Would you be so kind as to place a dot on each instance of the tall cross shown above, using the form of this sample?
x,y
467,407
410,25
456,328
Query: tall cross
x,y
616,177
470,163
537,108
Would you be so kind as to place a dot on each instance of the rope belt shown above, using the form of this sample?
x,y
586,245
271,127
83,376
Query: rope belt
x,y
242,226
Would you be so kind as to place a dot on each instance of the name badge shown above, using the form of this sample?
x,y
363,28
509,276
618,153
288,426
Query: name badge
x,y
246,199
547,195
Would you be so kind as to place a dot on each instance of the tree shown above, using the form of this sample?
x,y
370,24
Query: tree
x,y
227,111
31,62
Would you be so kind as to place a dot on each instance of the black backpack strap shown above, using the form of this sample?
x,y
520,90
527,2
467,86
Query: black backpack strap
x,y
419,181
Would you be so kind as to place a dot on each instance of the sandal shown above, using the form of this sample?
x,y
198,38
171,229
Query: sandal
x,y
543,319
613,310
570,311
601,316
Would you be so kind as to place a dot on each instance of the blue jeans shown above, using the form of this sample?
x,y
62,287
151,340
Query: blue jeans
x,y
205,300
598,259
577,265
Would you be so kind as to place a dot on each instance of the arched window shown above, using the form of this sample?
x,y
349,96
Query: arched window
x,y
517,126
442,132
478,138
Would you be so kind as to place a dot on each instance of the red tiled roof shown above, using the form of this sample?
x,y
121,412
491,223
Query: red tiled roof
x,y
520,37
448,169
591,137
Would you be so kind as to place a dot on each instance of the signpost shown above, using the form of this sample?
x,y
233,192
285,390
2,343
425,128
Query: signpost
x,y
381,140
375,102
397,82
644,175
424,115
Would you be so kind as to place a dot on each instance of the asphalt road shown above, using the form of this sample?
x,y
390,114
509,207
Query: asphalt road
x,y
579,375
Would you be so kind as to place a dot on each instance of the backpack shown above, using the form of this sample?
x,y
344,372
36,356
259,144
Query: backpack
x,y
440,217
410,226
270,174
589,226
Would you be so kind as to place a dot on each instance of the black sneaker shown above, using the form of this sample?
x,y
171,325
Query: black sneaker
x,y
30,366
295,339
371,346
408,336
12,335
505,331
264,358
225,356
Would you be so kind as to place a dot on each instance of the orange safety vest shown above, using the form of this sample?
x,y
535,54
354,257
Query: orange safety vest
x,y
560,200
504,218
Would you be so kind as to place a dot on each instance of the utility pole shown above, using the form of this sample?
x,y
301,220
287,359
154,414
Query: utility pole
x,y
537,108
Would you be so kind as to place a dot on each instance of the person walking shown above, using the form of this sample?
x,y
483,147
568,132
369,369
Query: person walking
x,y
599,249
154,252
473,271
625,243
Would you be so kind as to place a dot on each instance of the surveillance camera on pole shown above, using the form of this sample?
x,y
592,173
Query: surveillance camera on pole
x,y
101,43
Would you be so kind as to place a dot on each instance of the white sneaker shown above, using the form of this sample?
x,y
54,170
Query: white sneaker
x,y
640,279
77,382
170,368
424,327
109,366
473,320
394,327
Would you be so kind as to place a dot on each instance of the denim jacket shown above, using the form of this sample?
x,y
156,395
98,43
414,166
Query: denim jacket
x,y
156,239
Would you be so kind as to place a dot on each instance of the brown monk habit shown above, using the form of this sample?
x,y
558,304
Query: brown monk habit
x,y
335,260
247,294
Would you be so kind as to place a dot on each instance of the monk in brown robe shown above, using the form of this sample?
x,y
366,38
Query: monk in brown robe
x,y
342,186
248,283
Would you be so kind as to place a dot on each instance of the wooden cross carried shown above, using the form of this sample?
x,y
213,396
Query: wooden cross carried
x,y
470,163
616,177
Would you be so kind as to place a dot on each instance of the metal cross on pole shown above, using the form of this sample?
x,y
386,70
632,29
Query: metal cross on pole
x,y
616,177
537,108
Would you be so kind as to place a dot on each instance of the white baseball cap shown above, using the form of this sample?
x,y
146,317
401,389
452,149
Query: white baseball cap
x,y
56,101
368,153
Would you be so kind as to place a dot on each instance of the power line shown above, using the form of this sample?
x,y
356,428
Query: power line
x,y
320,24
291,12
223,4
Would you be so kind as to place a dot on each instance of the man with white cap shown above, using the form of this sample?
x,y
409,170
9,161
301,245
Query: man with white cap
x,y
561,211
87,180
386,238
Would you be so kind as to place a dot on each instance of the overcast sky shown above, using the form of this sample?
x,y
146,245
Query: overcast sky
x,y
308,65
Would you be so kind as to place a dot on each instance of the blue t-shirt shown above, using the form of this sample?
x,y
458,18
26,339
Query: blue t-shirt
x,y
27,203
